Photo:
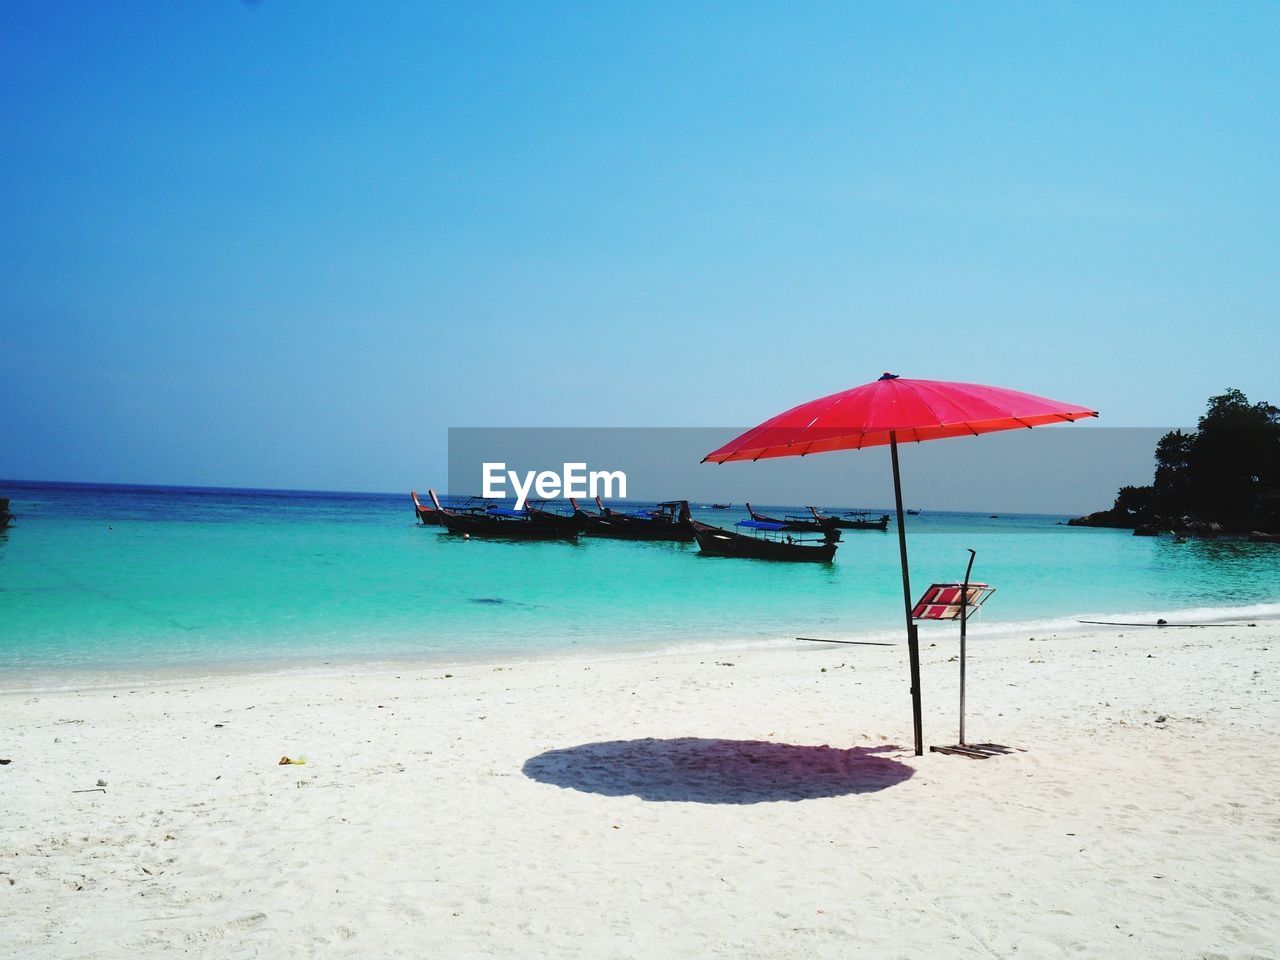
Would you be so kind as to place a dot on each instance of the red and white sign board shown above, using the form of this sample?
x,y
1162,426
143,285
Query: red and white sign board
x,y
942,601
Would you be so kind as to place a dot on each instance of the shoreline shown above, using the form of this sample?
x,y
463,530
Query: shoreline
x,y
117,677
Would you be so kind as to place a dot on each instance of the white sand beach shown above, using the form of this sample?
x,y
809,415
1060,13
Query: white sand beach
x,y
746,804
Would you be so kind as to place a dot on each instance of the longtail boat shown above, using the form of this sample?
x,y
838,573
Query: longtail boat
x,y
670,521
5,515
770,542
854,520
431,517
569,526
500,524
813,524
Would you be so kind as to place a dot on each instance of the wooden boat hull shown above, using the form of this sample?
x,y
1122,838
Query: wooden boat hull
x,y
670,523
801,526
617,527
861,520
798,524
503,528
432,516
566,528
716,542
429,517
498,526
882,524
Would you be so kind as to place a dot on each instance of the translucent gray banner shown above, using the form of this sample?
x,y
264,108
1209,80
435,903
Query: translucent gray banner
x,y
1072,469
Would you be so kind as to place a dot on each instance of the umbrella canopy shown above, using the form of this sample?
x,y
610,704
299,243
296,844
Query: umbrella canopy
x,y
886,411
890,408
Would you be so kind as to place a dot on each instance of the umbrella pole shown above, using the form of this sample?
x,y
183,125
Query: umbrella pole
x,y
913,644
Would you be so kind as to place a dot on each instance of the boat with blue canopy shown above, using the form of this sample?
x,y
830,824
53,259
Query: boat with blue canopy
x,y
503,523
766,540
810,524
568,525
669,521
430,516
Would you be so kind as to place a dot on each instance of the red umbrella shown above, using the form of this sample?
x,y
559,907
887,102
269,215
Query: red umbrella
x,y
886,411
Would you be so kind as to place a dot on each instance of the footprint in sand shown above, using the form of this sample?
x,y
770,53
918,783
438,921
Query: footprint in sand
x,y
217,932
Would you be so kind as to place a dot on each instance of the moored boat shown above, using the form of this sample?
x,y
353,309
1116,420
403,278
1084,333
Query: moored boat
x,y
5,515
500,524
855,520
670,521
770,542
431,517
814,524
567,526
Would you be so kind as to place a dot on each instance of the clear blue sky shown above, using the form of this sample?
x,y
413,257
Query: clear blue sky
x,y
290,243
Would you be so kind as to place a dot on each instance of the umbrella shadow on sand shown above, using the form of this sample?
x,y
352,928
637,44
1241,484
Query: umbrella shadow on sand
x,y
698,770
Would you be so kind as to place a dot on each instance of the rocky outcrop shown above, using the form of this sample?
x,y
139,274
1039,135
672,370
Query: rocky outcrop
x,y
1115,519
1153,527
1192,527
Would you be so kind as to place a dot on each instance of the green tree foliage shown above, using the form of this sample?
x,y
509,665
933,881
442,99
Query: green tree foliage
x,y
1227,471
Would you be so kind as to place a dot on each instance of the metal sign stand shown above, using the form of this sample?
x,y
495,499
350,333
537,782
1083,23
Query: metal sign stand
x,y
964,623
932,606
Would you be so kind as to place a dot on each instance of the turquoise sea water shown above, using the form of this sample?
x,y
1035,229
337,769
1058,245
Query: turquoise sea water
x,y
128,578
